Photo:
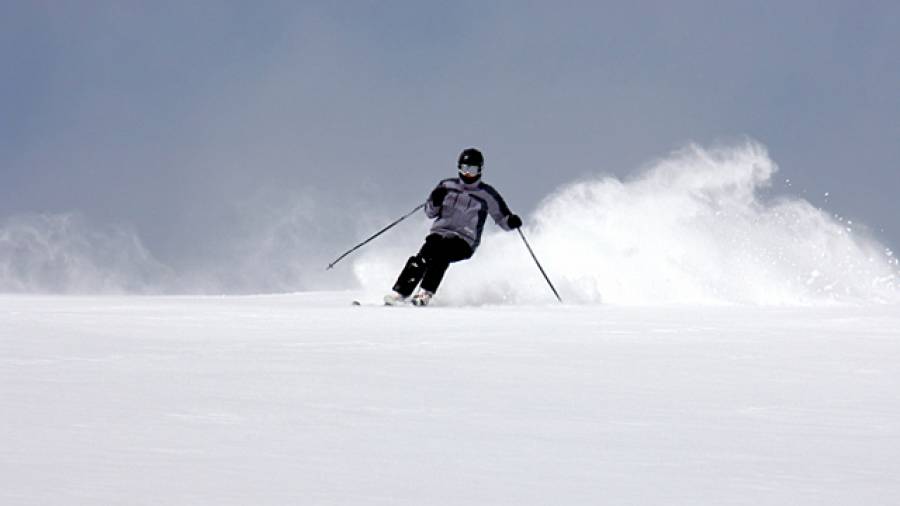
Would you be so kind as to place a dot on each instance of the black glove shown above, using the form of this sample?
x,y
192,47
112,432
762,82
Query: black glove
x,y
514,221
437,196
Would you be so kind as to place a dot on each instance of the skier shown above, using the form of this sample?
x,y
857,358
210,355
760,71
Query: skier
x,y
460,207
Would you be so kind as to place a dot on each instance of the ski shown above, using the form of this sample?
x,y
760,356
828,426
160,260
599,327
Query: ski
x,y
359,303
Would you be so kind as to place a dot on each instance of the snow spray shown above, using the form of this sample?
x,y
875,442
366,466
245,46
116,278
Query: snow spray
x,y
693,228
63,253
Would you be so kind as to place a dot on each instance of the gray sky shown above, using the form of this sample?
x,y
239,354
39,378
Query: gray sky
x,y
199,122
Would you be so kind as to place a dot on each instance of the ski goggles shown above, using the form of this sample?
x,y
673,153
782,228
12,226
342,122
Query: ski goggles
x,y
469,170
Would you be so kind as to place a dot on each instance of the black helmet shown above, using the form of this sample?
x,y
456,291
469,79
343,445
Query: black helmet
x,y
470,163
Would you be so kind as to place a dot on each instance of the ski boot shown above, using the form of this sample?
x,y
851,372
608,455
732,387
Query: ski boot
x,y
394,299
422,298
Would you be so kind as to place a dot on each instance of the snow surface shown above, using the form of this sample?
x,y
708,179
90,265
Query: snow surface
x,y
304,399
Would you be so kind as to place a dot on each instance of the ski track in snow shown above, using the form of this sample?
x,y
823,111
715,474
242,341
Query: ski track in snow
x,y
304,399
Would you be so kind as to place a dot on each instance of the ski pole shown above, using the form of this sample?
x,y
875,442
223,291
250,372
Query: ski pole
x,y
385,229
538,264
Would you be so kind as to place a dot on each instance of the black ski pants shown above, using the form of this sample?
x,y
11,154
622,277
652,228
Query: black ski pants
x,y
430,264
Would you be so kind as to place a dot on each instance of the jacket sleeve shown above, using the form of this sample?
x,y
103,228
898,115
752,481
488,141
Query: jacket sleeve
x,y
497,208
431,210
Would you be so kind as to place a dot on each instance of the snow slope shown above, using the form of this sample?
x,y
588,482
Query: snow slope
x,y
303,399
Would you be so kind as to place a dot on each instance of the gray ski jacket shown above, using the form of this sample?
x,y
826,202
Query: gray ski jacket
x,y
465,208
